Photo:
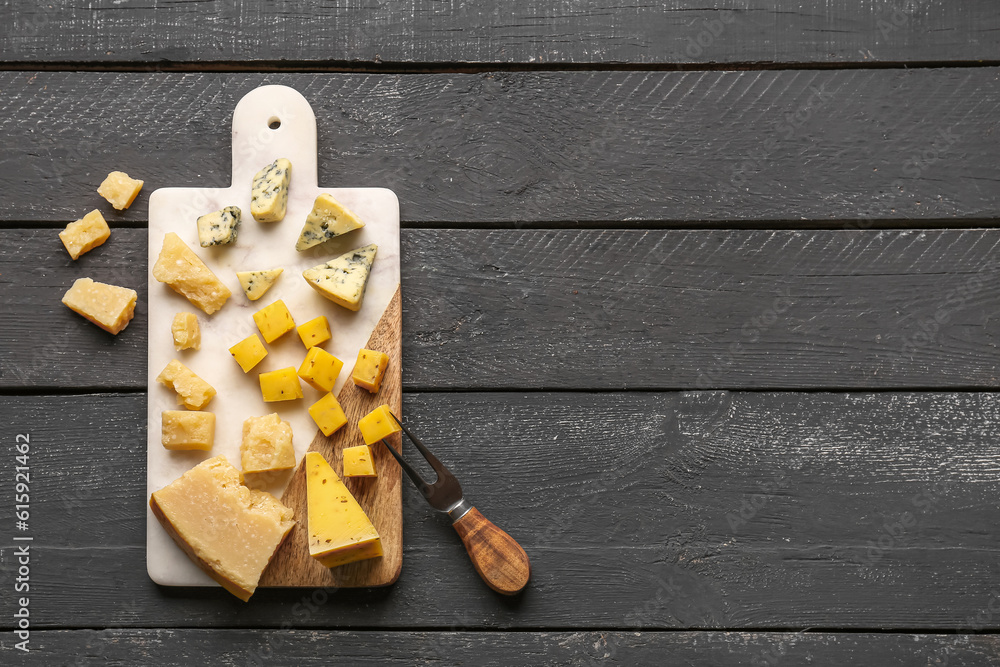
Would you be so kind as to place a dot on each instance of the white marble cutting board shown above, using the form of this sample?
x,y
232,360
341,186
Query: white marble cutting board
x,y
258,246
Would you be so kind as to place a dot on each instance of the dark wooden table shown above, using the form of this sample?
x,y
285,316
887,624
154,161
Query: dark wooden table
x,y
701,299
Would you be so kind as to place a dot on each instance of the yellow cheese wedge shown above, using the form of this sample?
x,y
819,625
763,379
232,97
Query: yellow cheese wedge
x,y
359,462
343,279
328,414
314,332
85,234
186,333
186,274
256,283
120,189
231,532
192,392
274,321
108,306
339,530
320,369
280,385
267,444
378,424
369,369
248,352
187,429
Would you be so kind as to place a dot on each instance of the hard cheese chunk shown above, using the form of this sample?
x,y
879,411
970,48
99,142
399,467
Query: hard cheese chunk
x,y
267,444
231,532
248,352
320,369
339,530
280,385
119,189
329,218
187,429
378,424
328,414
358,462
255,283
269,192
192,392
274,321
186,332
219,227
343,279
85,234
369,369
314,332
108,306
186,274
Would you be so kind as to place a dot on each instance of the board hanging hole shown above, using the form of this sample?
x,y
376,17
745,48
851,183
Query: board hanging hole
x,y
274,122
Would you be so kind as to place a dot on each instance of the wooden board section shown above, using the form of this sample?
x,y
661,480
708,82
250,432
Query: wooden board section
x,y
848,148
691,309
623,497
380,497
495,32
304,648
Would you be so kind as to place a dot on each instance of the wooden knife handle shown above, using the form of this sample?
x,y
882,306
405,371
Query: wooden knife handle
x,y
498,558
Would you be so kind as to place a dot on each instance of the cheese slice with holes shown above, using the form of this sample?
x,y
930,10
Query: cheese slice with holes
x,y
343,279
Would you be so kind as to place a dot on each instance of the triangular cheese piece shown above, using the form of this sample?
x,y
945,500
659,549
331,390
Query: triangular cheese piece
x,y
255,283
339,530
343,279
329,218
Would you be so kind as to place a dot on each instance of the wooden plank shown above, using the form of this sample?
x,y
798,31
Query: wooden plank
x,y
674,510
514,32
621,309
630,148
504,649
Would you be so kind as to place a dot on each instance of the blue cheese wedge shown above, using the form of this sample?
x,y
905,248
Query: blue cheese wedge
x,y
269,193
343,279
255,283
329,218
219,227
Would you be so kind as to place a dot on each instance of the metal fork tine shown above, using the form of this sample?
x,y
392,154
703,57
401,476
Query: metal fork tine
x,y
421,483
440,468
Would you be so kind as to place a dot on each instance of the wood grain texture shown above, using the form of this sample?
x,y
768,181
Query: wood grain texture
x,y
380,497
607,148
674,510
303,648
497,557
496,32
617,309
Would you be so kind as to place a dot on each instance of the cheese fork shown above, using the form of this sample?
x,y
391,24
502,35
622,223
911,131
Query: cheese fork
x,y
497,557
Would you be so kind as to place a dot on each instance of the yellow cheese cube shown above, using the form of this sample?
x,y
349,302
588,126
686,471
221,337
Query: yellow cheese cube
x,y
108,306
274,321
359,462
369,368
192,392
314,332
85,234
339,530
280,385
186,333
231,532
320,369
267,444
328,414
186,274
248,352
119,189
378,424
187,429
